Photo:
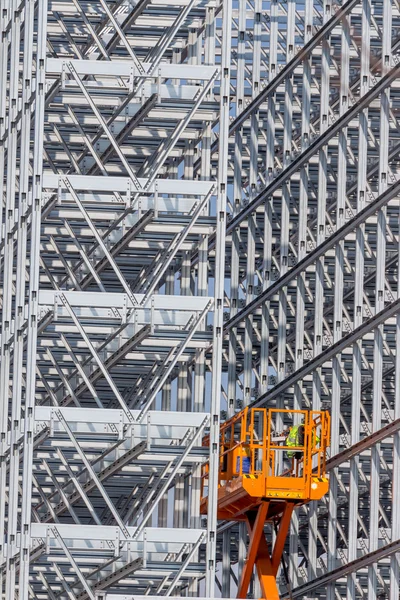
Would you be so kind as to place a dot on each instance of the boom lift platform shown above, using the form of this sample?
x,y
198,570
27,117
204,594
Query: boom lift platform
x,y
261,479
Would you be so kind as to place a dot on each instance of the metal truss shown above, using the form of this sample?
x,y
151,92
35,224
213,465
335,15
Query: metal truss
x,y
313,268
105,325
199,211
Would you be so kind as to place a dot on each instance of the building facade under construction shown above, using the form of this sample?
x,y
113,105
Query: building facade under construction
x,y
199,251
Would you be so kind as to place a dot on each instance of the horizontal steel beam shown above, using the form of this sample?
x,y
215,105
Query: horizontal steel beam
x,y
364,444
71,532
127,68
160,425
120,301
351,567
111,184
157,203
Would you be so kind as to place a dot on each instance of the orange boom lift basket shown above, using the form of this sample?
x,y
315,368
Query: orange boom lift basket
x,y
261,479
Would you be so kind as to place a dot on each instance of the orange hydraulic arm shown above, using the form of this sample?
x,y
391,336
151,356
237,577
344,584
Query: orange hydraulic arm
x,y
262,480
267,562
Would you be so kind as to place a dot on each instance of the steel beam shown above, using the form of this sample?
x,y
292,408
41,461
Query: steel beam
x,y
199,211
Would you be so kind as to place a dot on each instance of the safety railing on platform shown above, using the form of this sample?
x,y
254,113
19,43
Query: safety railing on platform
x,y
259,442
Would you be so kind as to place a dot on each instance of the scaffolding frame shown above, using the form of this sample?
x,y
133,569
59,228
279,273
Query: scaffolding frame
x,y
199,212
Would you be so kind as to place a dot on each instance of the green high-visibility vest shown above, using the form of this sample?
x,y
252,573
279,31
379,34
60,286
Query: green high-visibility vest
x,y
293,439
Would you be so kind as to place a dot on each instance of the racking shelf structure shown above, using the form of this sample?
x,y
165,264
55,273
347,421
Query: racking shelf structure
x,y
199,212
104,342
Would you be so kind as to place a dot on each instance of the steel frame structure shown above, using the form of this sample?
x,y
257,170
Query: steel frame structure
x,y
199,211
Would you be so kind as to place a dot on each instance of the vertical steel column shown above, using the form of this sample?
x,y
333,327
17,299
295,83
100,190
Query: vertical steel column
x,y
25,546
181,491
395,559
286,193
200,367
301,252
235,246
8,295
285,211
268,211
226,564
202,270
219,291
379,299
319,268
237,203
358,294
199,394
252,219
338,298
17,383
166,400
4,18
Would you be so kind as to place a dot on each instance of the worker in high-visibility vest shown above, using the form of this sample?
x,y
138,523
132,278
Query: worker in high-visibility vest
x,y
296,438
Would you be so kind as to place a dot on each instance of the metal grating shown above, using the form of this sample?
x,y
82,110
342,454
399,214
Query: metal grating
x,y
200,211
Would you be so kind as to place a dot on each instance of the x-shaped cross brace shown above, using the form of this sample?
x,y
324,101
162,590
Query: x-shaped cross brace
x,y
266,562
